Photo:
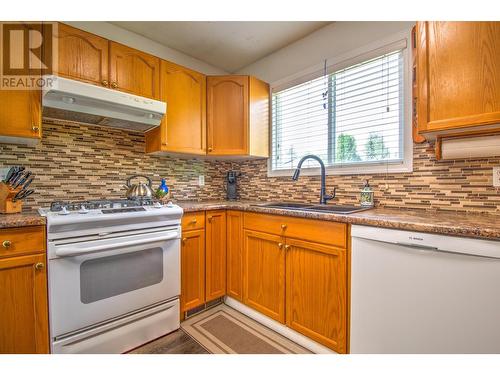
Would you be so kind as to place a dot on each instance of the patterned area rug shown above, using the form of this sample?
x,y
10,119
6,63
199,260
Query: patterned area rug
x,y
223,330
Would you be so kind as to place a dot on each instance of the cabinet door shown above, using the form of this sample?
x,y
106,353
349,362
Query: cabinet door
x,y
316,298
227,112
183,128
23,310
215,255
20,114
82,56
264,274
134,71
235,254
458,74
192,269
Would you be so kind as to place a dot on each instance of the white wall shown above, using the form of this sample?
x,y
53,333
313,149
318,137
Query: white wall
x,y
120,35
332,40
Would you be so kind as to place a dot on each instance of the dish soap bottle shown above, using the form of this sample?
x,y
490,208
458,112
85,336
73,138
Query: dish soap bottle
x,y
162,193
366,198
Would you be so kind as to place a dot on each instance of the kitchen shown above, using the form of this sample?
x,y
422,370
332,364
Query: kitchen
x,y
330,189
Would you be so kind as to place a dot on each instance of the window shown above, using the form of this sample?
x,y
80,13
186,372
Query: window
x,y
352,117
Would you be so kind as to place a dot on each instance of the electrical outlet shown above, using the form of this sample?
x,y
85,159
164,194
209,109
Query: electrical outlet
x,y
496,176
201,180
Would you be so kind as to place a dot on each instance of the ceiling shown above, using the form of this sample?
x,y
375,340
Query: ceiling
x,y
227,45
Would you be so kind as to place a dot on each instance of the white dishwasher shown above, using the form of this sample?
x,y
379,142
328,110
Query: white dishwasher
x,y
415,292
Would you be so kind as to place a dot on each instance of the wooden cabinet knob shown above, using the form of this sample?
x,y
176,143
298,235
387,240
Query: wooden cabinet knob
x,y
114,85
210,149
6,244
39,266
184,240
283,226
105,83
209,219
35,128
194,221
280,245
287,247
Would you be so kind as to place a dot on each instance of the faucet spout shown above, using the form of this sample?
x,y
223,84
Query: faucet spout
x,y
323,197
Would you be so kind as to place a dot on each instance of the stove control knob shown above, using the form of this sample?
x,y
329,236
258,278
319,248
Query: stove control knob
x,y
157,205
64,211
83,210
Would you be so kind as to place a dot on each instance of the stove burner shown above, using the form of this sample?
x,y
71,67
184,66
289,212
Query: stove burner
x,y
101,204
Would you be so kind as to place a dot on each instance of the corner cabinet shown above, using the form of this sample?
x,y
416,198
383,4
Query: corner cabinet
x,y
237,116
134,71
458,77
183,129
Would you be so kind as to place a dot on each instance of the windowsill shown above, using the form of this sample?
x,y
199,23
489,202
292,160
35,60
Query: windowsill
x,y
364,169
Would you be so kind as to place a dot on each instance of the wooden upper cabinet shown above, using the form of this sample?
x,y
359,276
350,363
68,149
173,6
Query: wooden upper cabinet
x,y
183,129
20,116
264,274
134,71
215,255
458,75
237,116
82,56
316,292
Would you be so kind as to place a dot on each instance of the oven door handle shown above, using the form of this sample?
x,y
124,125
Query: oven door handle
x,y
69,250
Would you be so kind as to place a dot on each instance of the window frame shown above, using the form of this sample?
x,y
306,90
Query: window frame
x,y
351,58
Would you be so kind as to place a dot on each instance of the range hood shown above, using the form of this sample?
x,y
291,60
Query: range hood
x,y
67,99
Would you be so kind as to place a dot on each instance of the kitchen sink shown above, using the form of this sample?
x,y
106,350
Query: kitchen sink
x,y
315,208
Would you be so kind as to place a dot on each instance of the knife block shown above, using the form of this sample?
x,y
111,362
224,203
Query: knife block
x,y
7,193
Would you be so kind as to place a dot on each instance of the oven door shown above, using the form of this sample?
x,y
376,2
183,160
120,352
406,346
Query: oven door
x,y
95,281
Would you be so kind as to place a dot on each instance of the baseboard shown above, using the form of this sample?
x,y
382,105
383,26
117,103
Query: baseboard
x,y
283,330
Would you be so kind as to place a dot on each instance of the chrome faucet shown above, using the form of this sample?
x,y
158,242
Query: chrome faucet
x,y
323,197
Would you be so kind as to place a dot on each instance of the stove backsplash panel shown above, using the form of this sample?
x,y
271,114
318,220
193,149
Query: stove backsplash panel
x,y
78,162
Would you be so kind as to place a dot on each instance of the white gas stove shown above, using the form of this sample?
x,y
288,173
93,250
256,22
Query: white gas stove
x,y
114,273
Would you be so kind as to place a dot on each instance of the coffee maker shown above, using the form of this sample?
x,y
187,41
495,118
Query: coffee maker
x,y
231,185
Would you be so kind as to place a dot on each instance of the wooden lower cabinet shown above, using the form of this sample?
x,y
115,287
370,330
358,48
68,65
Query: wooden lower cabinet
x,y
192,269
23,308
215,277
234,254
316,292
264,274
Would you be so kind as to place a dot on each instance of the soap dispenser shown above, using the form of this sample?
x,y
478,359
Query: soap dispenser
x,y
366,198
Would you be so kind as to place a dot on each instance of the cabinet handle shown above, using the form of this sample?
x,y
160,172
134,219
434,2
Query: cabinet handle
x,y
283,226
210,149
35,128
105,83
184,240
209,219
39,266
114,85
287,247
280,245
194,221
6,244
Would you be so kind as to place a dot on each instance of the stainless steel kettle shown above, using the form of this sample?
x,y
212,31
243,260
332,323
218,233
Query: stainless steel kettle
x,y
139,190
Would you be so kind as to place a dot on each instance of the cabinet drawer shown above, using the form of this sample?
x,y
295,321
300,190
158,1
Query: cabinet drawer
x,y
25,240
320,231
193,220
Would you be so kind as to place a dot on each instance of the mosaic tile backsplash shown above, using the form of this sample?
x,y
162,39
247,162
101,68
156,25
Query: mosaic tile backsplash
x,y
78,162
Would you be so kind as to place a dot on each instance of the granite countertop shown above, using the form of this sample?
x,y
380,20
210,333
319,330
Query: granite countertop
x,y
23,219
484,226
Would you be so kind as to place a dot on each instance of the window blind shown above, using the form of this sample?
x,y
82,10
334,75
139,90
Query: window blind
x,y
348,117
